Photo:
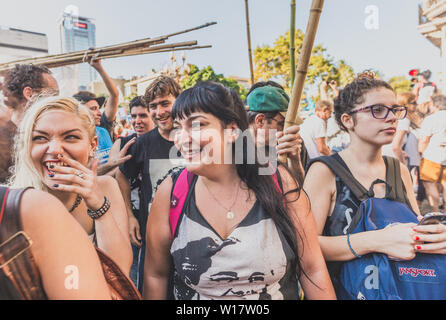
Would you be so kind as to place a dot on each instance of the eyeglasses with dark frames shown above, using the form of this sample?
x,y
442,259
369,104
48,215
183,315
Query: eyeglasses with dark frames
x,y
380,111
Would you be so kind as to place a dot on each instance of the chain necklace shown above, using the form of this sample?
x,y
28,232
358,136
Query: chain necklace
x,y
229,214
76,203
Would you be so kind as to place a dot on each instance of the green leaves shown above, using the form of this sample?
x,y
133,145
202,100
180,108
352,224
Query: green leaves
x,y
273,62
400,84
196,75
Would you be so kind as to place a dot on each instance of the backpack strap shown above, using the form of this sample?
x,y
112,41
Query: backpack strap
x,y
180,190
397,190
17,264
344,174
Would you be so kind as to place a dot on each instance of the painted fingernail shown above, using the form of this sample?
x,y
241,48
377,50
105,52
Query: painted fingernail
x,y
55,185
51,175
417,238
418,247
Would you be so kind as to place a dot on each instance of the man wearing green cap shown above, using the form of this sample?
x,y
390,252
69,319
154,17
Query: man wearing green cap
x,y
267,104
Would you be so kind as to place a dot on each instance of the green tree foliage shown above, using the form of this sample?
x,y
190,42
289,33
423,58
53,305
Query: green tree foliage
x,y
195,75
273,62
400,84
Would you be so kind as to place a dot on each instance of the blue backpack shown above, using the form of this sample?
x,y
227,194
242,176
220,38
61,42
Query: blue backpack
x,y
375,276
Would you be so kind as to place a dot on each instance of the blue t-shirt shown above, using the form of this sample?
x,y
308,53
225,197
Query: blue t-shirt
x,y
104,145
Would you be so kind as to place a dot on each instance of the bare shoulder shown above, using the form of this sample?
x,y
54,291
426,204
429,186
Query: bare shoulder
x,y
161,202
319,169
43,215
165,188
49,206
319,175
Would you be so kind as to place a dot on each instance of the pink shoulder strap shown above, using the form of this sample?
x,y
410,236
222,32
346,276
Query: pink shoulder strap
x,y
276,182
179,195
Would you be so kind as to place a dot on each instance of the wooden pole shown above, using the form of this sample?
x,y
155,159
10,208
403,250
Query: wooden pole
x,y
108,51
62,60
292,117
55,64
292,42
249,42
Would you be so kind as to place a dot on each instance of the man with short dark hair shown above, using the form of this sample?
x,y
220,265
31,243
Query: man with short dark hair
x,y
18,88
23,84
149,160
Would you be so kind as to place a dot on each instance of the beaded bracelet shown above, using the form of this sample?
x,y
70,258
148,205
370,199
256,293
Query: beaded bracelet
x,y
351,249
96,214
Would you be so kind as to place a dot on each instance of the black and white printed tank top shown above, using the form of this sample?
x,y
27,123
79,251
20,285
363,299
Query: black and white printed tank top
x,y
254,262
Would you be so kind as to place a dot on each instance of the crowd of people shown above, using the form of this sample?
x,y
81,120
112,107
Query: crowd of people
x,y
191,201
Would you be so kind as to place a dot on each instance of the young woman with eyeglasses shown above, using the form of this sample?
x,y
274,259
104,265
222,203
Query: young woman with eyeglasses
x,y
367,110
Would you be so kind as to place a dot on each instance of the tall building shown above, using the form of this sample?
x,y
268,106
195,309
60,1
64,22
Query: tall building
x,y
77,34
18,44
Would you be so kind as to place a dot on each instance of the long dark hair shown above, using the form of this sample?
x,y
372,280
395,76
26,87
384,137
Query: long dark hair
x,y
224,104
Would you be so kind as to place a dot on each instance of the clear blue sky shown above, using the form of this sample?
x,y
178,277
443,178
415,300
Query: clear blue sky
x,y
393,49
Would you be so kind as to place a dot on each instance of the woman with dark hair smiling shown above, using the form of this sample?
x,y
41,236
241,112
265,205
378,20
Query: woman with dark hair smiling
x,y
237,237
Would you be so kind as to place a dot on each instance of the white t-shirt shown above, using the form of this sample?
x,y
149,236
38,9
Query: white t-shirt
x,y
337,139
312,128
434,126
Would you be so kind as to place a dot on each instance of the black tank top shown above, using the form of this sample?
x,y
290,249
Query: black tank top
x,y
345,209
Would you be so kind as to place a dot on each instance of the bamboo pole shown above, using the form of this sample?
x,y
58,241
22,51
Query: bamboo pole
x,y
105,52
292,42
142,52
251,68
62,60
292,117
133,53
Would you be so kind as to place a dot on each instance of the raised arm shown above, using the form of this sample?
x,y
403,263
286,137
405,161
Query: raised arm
x,y
111,106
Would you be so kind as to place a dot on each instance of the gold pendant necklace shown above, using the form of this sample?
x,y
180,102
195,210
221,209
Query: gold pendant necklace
x,y
229,214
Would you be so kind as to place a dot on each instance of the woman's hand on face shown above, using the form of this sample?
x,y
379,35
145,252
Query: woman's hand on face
x,y
79,180
431,238
398,241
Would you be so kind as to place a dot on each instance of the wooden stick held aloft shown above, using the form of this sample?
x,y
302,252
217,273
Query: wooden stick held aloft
x,y
292,116
142,46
